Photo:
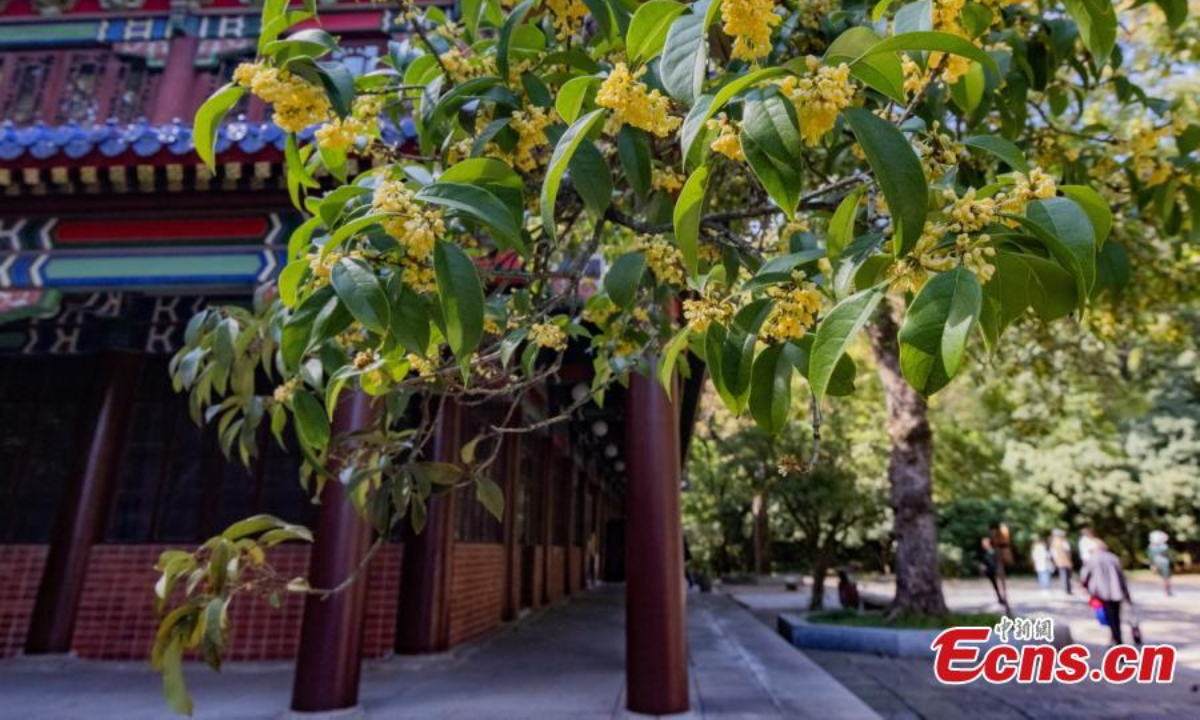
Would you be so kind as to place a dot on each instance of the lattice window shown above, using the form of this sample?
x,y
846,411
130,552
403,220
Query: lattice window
x,y
80,98
134,89
24,82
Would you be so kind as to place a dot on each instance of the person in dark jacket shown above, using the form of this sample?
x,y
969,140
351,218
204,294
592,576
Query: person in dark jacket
x,y
1103,577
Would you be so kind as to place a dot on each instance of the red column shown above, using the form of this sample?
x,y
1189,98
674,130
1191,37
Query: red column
x,y
86,501
330,656
178,82
655,606
423,620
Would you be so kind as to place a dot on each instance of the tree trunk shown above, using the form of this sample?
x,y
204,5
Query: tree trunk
x,y
758,510
817,599
918,581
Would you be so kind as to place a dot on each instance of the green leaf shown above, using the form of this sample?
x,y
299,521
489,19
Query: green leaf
x,y
591,177
356,284
670,358
834,335
251,526
311,43
479,204
967,93
1001,148
174,687
772,145
289,281
934,335
574,93
709,105
490,496
1023,281
622,279
460,293
338,82
1097,208
737,352
208,120
409,319
494,176
841,383
1066,230
934,41
882,72
771,387
841,225
688,210
684,57
563,152
1097,23
633,147
312,425
899,173
506,35
648,29
1113,268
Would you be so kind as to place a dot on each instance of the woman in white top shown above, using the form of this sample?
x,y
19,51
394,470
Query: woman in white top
x,y
1043,563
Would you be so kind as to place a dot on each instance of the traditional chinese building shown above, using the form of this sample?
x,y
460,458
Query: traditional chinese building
x,y
112,234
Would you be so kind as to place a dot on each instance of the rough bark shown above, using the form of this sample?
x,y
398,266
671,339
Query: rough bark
x,y
817,599
918,580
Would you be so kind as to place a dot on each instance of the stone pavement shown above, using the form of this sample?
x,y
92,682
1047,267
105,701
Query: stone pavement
x,y
564,663
905,688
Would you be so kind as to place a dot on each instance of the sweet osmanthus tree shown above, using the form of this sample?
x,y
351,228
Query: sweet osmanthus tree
x,y
763,179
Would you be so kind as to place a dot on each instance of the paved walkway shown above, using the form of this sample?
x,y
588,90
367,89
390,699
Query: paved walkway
x,y
905,688
565,663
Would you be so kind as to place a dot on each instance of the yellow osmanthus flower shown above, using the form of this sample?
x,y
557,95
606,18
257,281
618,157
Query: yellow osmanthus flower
x,y
910,273
421,366
819,97
284,392
667,179
568,17
340,133
976,254
702,312
530,126
1038,185
297,104
969,212
914,77
634,104
419,276
795,310
664,260
749,23
417,227
947,17
368,107
600,310
548,335
727,142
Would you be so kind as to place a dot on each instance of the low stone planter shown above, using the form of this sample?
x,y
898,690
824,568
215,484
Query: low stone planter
x,y
890,642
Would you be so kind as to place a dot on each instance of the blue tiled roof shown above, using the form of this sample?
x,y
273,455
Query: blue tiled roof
x,y
111,139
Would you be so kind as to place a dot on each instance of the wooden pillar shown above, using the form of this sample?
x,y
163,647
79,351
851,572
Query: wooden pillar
x,y
512,562
84,511
655,604
178,82
330,656
423,622
572,479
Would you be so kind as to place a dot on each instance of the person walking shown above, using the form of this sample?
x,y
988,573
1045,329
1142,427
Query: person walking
x,y
1043,562
1060,552
1087,545
991,565
1103,578
1159,551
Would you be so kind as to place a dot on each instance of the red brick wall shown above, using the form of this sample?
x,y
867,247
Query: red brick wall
x,y
477,589
20,573
117,620
575,576
556,588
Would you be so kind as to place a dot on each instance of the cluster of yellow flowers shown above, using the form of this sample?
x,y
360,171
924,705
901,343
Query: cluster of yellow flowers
x,y
819,97
364,358
909,273
548,335
284,392
634,104
530,126
795,310
568,17
947,17
976,253
914,76
368,107
599,310
663,259
322,265
458,66
939,152
727,142
665,178
1142,144
416,227
340,133
749,23
297,104
702,312
969,212
422,366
